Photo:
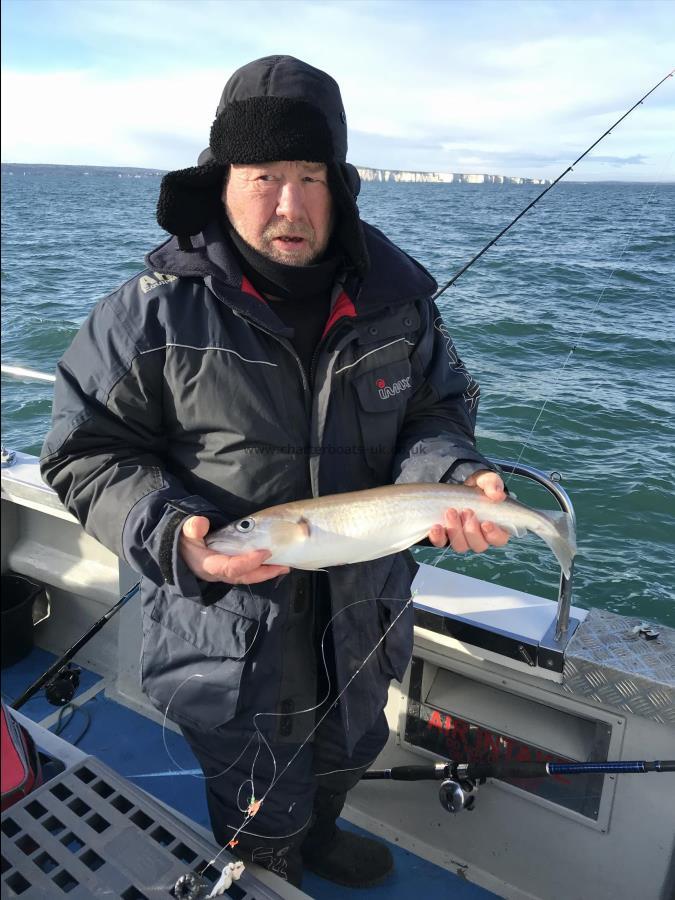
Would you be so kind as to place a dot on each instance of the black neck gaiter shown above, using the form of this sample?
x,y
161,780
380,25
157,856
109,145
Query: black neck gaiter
x,y
299,295
286,282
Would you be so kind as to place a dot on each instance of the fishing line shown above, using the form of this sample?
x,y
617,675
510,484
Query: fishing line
x,y
582,334
406,603
445,552
351,769
491,243
252,794
276,777
273,837
191,772
328,679
570,168
262,739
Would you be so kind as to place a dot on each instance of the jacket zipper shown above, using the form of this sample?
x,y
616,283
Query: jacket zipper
x,y
308,384
287,346
319,347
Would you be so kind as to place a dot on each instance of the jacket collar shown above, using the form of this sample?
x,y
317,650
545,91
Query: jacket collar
x,y
394,277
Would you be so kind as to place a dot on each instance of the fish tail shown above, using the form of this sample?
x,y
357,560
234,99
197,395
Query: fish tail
x,y
560,537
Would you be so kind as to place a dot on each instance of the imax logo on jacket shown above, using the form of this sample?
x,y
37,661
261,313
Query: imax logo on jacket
x,y
390,390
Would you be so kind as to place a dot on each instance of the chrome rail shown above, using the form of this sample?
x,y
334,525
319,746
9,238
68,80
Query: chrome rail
x,y
26,374
562,623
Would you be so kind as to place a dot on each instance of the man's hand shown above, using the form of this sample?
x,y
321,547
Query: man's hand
x,y
246,568
461,527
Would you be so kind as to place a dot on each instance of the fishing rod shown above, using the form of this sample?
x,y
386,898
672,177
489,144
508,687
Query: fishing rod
x,y
459,780
570,168
61,680
481,770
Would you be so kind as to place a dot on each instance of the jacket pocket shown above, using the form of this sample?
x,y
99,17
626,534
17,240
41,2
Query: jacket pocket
x,y
193,660
215,630
382,398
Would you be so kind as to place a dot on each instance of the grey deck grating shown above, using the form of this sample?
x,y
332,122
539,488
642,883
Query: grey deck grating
x,y
90,833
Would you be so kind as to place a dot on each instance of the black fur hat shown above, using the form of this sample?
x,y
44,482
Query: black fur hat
x,y
275,108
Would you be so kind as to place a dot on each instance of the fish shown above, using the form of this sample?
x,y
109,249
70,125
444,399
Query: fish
x,y
359,526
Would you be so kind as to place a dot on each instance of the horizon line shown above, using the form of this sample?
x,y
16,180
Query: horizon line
x,y
159,171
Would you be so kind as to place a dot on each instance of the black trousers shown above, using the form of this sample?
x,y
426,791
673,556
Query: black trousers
x,y
308,783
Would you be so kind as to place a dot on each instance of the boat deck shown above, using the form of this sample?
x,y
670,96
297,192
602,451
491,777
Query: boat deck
x,y
134,746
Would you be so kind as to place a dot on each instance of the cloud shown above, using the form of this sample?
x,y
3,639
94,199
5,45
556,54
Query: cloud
x,y
517,87
88,119
637,160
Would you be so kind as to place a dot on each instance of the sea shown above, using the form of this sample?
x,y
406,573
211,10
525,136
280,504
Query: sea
x,y
568,324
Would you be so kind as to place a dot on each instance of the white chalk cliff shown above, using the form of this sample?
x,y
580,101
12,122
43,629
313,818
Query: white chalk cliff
x,y
368,174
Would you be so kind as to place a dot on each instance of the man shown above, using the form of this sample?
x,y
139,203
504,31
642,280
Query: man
x,y
249,366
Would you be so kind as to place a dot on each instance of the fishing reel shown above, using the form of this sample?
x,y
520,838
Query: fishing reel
x,y
457,791
457,794
61,689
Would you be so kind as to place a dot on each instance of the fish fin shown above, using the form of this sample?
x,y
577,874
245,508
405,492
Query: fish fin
x,y
563,540
306,527
515,530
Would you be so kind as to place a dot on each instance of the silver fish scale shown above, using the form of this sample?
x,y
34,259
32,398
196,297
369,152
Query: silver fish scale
x,y
608,663
406,504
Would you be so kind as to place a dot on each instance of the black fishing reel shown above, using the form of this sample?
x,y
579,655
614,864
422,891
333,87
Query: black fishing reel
x,y
457,790
459,781
457,794
61,689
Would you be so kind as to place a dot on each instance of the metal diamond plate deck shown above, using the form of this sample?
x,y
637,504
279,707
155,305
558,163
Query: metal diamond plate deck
x,y
607,662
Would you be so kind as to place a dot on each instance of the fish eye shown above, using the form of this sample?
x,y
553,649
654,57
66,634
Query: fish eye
x,y
245,525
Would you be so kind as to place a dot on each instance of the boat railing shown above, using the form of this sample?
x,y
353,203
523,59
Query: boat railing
x,y
552,484
26,374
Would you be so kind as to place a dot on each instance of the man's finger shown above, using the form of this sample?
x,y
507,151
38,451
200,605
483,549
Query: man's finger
x,y
196,527
494,535
246,563
230,567
453,525
437,536
472,532
492,485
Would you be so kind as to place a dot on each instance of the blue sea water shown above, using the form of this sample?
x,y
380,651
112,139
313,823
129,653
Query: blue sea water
x,y
568,324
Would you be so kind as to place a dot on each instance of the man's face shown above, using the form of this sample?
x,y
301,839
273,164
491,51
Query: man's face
x,y
282,209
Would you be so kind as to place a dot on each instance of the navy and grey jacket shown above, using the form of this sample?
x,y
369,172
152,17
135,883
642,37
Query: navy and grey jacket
x,y
182,395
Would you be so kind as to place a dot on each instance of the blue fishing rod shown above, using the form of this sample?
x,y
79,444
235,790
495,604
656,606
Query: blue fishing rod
x,y
459,781
481,770
536,200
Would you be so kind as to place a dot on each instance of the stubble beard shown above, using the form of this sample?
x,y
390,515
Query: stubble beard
x,y
303,256
306,256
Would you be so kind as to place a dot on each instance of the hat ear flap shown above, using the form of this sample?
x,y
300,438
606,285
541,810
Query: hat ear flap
x,y
190,198
352,178
348,229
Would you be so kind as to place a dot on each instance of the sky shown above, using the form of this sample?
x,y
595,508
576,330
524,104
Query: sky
x,y
510,87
